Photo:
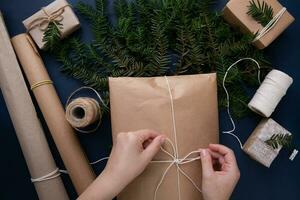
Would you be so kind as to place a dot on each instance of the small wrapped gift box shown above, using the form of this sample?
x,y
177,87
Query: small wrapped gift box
x,y
58,11
256,146
235,13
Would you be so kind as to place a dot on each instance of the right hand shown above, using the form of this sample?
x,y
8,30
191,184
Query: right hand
x,y
220,172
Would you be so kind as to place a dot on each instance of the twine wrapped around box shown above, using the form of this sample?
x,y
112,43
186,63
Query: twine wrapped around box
x,y
235,13
257,148
58,12
184,108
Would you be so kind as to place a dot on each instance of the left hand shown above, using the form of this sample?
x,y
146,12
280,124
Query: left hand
x,y
130,155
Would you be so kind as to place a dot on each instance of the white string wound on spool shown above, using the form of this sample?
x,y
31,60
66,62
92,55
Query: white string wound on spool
x,y
231,132
100,101
270,92
272,23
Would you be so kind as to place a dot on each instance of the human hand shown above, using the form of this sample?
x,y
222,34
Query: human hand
x,y
130,155
220,172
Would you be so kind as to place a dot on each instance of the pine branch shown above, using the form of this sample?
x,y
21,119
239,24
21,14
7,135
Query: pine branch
x,y
261,12
52,36
157,38
280,139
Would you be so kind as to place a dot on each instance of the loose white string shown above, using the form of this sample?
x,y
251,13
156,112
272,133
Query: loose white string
x,y
100,99
270,25
231,132
100,160
293,155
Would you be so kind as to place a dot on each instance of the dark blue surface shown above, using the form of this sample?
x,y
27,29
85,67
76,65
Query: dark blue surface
x,y
281,181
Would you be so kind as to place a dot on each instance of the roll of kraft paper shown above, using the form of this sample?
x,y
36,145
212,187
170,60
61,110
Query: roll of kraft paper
x,y
41,165
82,112
270,92
67,144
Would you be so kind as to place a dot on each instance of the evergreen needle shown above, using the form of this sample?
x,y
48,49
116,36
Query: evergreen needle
x,y
156,38
261,12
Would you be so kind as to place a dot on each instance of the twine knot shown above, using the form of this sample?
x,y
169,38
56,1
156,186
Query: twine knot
x,y
43,22
174,155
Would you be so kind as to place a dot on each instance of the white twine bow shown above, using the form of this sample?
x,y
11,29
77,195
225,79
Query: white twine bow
x,y
175,160
270,25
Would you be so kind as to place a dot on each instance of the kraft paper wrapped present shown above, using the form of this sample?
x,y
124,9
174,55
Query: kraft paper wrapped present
x,y
235,13
257,148
59,11
145,103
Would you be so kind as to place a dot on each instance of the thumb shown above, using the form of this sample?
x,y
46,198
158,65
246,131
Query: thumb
x,y
153,148
206,160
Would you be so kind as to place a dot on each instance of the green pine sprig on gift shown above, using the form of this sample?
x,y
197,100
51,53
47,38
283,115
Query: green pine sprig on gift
x,y
277,140
260,11
156,38
52,36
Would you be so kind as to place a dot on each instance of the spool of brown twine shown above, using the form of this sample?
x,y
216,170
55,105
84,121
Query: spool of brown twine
x,y
82,112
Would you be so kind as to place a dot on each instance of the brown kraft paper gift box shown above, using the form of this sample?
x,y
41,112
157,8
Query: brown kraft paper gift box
x,y
37,23
144,103
256,147
235,13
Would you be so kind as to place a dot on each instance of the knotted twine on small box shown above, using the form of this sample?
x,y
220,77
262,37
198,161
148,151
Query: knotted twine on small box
x,y
58,12
256,146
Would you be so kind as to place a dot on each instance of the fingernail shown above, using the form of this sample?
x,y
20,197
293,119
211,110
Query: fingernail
x,y
162,139
203,152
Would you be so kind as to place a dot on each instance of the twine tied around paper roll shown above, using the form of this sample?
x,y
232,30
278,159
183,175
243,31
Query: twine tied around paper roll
x,y
272,23
43,22
49,176
40,83
269,94
84,111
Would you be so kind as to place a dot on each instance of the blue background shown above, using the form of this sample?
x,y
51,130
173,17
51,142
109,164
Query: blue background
x,y
281,181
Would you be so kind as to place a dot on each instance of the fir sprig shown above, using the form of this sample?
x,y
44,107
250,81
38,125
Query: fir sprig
x,y
156,38
260,11
52,36
277,140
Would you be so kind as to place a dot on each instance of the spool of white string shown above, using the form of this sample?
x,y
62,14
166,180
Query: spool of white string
x,y
270,92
